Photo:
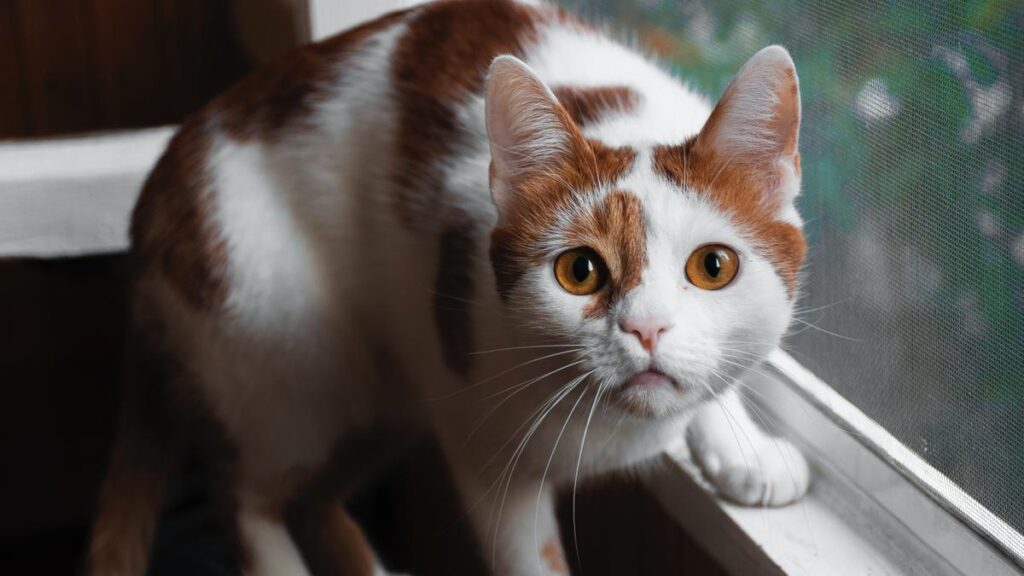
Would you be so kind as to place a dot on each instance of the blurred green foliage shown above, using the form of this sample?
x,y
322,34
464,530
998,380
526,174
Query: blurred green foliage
x,y
940,138
913,137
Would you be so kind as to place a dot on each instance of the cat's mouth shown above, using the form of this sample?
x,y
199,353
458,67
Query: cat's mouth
x,y
647,393
649,379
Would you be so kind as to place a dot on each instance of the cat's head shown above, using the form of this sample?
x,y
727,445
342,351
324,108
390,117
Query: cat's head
x,y
673,268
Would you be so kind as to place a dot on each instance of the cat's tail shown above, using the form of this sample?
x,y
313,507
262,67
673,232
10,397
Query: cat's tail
x,y
141,463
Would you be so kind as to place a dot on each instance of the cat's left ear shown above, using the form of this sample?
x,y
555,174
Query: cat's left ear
x,y
755,127
530,133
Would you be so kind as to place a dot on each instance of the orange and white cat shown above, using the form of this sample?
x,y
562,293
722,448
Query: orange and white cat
x,y
480,220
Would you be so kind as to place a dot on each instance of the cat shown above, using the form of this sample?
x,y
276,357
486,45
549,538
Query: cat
x,y
481,220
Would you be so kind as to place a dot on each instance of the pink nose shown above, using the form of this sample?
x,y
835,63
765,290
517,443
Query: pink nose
x,y
647,330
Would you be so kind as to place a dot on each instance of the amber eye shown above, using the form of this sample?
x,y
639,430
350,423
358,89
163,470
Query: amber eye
x,y
580,271
712,267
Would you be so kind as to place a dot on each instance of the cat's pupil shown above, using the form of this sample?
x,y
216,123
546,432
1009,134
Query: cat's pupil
x,y
712,264
581,268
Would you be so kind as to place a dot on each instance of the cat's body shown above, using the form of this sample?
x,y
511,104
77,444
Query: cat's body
x,y
320,257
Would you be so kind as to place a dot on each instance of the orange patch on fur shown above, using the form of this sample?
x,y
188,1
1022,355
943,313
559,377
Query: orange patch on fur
x,y
591,104
171,225
616,231
283,93
515,243
744,194
551,552
171,228
440,61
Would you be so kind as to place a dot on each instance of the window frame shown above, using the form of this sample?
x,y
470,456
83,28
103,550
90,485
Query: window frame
x,y
869,493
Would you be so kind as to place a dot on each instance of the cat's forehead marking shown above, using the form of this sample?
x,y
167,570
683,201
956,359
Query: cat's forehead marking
x,y
591,104
547,206
741,197
615,228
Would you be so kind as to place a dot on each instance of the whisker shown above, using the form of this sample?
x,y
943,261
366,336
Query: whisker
x,y
517,454
509,470
528,418
525,348
729,420
543,476
615,429
576,477
518,388
829,332
762,417
494,484
498,375
798,311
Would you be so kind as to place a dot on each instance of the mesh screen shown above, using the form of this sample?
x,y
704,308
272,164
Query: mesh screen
x,y
913,159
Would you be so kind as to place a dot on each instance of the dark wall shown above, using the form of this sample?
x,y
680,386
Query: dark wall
x,y
61,333
79,65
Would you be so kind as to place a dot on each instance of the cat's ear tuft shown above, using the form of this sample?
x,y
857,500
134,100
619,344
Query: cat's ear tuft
x,y
530,133
756,125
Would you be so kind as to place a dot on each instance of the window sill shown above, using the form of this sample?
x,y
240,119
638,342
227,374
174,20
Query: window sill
x,y
861,516
73,196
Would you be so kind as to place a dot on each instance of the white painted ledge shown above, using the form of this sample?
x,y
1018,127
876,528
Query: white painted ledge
x,y
328,17
872,509
73,196
834,530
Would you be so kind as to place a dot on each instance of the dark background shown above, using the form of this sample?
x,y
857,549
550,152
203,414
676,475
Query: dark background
x,y
75,66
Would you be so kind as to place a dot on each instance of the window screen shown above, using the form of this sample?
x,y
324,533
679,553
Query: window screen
x,y
913,160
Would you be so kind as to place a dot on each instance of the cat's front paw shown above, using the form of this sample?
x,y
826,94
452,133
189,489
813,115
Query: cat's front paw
x,y
774,474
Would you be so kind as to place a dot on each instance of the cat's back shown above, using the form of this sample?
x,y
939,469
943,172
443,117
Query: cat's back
x,y
280,154
382,124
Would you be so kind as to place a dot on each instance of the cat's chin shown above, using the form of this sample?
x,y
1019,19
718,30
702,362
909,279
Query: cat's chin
x,y
651,394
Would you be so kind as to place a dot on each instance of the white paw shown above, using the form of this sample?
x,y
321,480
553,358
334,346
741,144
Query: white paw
x,y
775,474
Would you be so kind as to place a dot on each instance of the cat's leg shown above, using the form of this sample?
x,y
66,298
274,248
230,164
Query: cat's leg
x,y
517,528
267,546
741,461
330,540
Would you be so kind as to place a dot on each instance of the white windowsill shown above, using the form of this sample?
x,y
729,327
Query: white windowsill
x,y
860,517
73,196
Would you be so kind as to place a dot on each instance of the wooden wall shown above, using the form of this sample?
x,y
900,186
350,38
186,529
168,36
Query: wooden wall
x,y
61,335
70,66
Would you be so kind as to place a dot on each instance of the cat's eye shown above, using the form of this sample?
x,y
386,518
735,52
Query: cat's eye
x,y
580,271
712,267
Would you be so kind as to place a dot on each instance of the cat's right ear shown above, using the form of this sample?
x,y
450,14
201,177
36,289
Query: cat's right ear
x,y
530,133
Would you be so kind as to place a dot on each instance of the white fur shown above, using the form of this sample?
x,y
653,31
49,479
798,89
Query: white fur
x,y
524,128
746,136
669,112
324,275
273,551
755,98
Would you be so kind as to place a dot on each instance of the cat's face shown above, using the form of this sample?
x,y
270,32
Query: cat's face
x,y
672,269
